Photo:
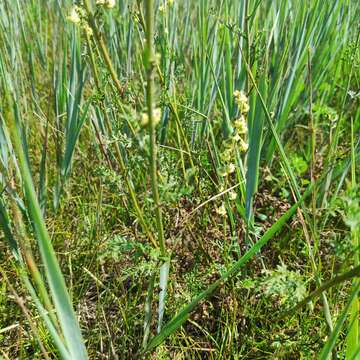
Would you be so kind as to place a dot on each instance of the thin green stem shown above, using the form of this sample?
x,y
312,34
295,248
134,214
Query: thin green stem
x,y
150,66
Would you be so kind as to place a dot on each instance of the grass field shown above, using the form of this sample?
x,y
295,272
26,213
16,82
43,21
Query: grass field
x,y
179,179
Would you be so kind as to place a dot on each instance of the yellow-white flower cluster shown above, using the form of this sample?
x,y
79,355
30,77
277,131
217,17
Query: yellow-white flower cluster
x,y
109,4
240,124
241,101
77,17
238,140
221,210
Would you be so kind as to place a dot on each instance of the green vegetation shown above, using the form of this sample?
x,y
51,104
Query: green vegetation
x,y
179,179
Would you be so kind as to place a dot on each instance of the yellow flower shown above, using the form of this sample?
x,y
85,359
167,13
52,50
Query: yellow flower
x,y
221,210
244,108
226,155
243,145
236,137
240,96
240,125
88,29
230,168
237,94
74,15
242,101
232,195
110,4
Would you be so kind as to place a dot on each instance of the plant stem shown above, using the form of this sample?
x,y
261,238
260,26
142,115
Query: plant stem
x,y
150,66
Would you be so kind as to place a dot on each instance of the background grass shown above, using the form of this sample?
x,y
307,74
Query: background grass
x,y
125,234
